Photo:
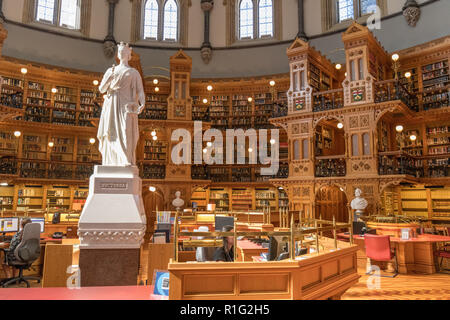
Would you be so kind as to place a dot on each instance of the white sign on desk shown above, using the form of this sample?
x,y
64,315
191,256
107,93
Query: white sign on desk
x,y
405,233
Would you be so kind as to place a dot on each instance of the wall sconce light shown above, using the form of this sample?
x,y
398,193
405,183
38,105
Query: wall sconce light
x,y
209,88
95,82
205,101
54,90
338,66
17,134
24,71
92,140
155,81
340,125
51,144
413,137
152,189
272,83
399,128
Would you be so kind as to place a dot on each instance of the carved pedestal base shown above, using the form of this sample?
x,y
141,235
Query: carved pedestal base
x,y
109,267
112,227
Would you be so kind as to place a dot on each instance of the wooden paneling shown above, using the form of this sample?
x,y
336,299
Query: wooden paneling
x,y
58,257
217,284
258,283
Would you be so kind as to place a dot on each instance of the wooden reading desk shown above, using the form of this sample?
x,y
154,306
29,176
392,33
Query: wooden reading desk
x,y
415,255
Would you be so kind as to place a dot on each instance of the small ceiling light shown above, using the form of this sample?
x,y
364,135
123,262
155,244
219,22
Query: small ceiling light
x,y
155,81
408,75
250,99
209,144
24,71
340,125
399,128
205,101
413,137
250,150
280,188
91,140
17,134
152,189
153,133
205,150
95,82
155,138
156,89
338,66
54,90
51,144
272,141
395,57
209,88
272,83
4,184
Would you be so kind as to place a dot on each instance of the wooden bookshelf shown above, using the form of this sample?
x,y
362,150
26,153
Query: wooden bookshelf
x,y
241,199
6,198
58,197
221,198
155,107
88,110
38,102
200,196
80,195
266,197
12,93
30,197
219,111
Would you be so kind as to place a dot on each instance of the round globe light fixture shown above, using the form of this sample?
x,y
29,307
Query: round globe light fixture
x,y
152,189
340,125
399,128
17,134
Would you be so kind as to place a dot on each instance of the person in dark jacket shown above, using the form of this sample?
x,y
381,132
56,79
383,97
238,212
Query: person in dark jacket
x,y
9,256
226,252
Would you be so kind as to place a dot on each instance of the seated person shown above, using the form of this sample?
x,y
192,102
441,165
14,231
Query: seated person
x,y
226,252
9,256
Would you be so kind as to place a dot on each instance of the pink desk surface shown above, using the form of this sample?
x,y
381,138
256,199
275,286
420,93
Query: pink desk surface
x,y
87,293
248,245
420,238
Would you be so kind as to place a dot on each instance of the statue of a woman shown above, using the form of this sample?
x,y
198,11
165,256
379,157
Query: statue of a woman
x,y
118,130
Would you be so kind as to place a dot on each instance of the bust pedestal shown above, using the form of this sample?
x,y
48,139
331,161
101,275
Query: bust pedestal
x,y
112,227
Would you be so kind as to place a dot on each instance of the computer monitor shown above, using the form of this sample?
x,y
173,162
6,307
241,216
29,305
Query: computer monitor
x,y
278,246
221,222
41,221
8,225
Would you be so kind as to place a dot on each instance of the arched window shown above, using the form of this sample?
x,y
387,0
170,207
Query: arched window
x,y
345,10
170,23
366,144
70,14
246,19
355,145
62,13
353,9
45,11
265,18
151,13
296,150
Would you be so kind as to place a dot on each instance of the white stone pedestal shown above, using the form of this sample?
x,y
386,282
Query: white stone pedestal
x,y
113,216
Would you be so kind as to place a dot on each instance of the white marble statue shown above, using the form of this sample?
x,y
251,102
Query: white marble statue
x,y
118,130
178,202
359,204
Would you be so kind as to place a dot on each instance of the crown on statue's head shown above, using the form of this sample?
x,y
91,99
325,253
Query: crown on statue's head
x,y
125,47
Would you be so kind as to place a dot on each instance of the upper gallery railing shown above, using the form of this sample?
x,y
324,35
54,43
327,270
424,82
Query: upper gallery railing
x,y
328,100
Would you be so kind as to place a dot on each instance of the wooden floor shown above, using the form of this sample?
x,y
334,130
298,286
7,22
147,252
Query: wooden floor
x,y
402,287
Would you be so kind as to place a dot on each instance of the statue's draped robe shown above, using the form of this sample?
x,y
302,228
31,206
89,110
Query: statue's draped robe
x,y
118,131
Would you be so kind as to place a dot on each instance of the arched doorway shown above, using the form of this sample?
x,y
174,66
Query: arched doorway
x,y
331,202
153,201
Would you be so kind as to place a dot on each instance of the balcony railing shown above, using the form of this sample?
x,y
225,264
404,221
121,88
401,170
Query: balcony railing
x,y
330,166
390,90
400,163
152,171
328,100
45,169
279,110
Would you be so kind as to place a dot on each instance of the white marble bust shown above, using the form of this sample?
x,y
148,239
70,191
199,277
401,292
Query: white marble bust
x,y
359,204
178,202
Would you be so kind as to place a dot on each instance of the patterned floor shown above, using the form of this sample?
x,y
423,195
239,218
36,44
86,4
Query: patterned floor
x,y
402,287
